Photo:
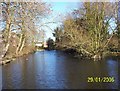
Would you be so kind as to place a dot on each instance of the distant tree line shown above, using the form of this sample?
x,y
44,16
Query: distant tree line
x,y
51,44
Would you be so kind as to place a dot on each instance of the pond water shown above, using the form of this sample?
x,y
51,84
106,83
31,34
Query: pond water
x,y
58,70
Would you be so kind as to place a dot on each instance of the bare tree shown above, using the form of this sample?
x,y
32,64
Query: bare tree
x,y
21,17
88,32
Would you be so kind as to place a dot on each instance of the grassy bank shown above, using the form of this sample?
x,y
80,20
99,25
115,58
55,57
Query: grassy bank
x,y
11,55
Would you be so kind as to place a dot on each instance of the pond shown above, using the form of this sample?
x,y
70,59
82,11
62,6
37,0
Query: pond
x,y
59,70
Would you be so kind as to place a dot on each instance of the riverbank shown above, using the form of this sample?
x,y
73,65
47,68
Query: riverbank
x,y
79,55
13,57
75,54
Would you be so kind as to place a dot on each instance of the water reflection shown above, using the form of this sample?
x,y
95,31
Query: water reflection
x,y
57,70
113,71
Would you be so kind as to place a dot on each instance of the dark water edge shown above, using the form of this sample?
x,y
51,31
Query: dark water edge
x,y
58,70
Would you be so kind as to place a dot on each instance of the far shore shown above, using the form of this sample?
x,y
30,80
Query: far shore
x,y
8,59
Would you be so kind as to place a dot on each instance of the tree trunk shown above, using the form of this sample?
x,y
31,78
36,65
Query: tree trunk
x,y
97,56
22,45
8,37
20,42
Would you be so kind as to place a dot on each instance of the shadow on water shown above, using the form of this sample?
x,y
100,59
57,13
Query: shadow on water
x,y
58,70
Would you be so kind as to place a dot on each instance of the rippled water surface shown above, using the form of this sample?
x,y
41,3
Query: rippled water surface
x,y
58,70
